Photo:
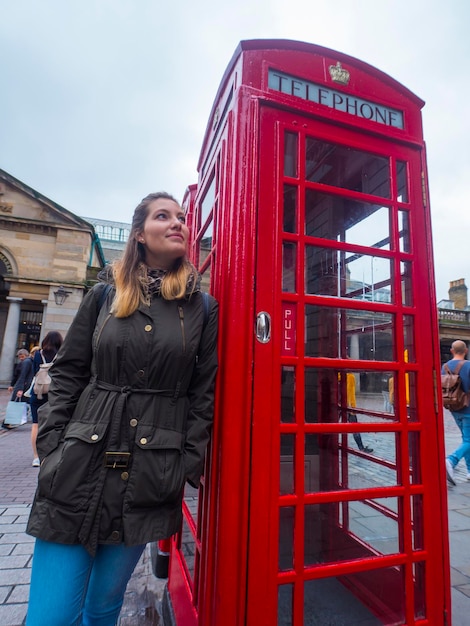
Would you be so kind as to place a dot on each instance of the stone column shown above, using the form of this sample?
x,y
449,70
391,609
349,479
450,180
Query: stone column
x,y
44,315
10,338
354,346
354,354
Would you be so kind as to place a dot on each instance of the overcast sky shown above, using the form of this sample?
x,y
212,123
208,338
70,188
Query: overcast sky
x,y
104,101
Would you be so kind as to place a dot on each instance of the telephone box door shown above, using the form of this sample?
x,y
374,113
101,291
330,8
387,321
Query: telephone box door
x,y
345,516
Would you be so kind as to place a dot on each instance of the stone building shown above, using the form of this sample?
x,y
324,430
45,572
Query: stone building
x,y
453,317
49,257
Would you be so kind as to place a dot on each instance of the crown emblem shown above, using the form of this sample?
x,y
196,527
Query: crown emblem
x,y
339,74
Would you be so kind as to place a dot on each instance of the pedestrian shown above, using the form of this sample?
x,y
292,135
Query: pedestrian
x,y
21,381
33,351
352,417
20,355
126,424
22,376
46,354
459,352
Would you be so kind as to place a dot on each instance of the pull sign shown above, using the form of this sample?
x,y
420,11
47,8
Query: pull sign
x,y
288,328
263,327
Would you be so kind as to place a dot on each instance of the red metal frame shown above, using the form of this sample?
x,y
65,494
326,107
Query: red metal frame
x,y
235,577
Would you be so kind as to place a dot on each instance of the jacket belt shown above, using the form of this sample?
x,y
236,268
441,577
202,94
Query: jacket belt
x,y
113,459
127,390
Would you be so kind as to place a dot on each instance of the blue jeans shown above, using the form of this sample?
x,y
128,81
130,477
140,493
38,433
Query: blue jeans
x,y
463,451
71,588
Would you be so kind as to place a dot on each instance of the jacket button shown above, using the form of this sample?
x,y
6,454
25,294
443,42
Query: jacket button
x,y
94,437
141,373
115,535
133,422
125,475
143,441
148,328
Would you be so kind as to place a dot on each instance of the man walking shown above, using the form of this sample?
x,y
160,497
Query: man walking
x,y
459,351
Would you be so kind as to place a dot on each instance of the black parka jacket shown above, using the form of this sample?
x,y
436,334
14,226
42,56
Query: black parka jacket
x,y
127,422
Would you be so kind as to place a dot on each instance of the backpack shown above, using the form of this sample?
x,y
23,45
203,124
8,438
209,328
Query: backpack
x,y
42,379
454,397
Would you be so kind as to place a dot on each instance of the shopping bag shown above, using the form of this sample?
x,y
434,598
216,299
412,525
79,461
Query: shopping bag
x,y
16,413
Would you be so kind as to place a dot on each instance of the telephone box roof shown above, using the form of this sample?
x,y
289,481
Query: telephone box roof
x,y
252,54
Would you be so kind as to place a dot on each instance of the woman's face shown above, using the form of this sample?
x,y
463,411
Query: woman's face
x,y
165,234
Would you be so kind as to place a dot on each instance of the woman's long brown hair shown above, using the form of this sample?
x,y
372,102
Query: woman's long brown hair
x,y
130,271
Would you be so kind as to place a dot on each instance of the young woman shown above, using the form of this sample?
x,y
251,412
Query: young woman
x,y
49,347
127,423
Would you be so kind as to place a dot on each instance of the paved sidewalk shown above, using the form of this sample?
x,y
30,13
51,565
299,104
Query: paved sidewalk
x,y
459,530
144,592
17,486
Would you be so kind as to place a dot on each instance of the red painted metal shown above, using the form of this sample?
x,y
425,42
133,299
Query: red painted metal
x,y
278,521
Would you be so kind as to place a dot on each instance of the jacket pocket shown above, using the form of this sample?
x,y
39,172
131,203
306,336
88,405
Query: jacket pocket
x,y
157,475
68,474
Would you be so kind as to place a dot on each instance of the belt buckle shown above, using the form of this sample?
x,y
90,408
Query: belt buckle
x,y
117,460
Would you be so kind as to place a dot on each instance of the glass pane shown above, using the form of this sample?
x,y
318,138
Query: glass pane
x,y
314,519
340,166
290,209
414,457
329,331
355,467
200,499
373,522
364,391
311,470
337,600
341,219
373,400
287,464
290,154
188,547
289,256
326,396
335,462
402,182
419,580
191,499
206,276
287,394
406,283
205,243
284,605
410,393
286,537
330,272
388,396
417,519
207,202
404,231
408,338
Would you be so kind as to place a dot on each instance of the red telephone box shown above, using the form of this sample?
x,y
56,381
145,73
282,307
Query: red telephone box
x,y
324,496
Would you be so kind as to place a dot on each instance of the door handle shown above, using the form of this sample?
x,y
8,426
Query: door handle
x,y
263,327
